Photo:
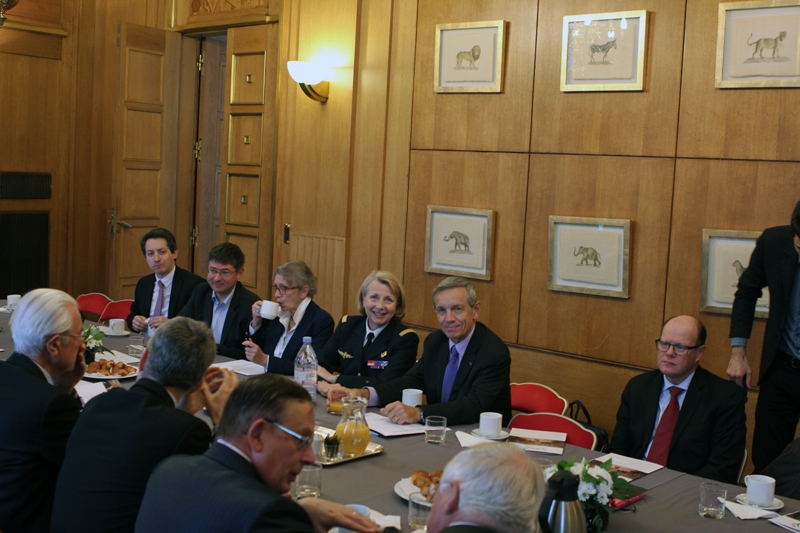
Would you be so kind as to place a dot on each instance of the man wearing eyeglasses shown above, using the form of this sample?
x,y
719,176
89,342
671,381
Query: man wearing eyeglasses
x,y
223,303
682,416
265,438
38,408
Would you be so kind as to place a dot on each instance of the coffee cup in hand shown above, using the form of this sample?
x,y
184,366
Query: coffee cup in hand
x,y
760,490
269,310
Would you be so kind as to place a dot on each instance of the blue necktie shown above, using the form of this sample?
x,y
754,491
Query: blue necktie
x,y
450,375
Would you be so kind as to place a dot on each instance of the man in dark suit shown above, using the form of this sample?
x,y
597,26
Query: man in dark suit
x,y
464,369
774,264
490,488
680,415
786,471
162,294
265,438
275,343
38,407
122,435
223,303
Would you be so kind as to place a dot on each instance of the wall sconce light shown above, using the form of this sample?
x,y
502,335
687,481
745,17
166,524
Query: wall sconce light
x,y
311,78
6,5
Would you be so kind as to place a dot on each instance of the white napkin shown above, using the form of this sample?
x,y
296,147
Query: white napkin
x,y
748,512
468,440
385,521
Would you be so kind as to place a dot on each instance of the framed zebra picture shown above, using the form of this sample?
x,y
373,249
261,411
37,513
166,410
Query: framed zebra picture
x,y
726,254
589,255
459,241
604,52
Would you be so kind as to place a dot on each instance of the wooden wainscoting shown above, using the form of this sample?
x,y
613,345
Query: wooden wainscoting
x,y
325,255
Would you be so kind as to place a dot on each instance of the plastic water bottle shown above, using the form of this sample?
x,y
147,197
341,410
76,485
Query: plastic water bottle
x,y
305,368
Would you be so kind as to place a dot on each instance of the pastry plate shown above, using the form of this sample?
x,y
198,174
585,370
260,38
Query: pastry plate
x,y
776,503
103,376
372,449
400,491
107,332
503,435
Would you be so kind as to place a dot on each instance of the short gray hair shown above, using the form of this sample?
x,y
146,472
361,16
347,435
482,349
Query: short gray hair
x,y
179,353
498,483
40,314
298,274
455,282
262,396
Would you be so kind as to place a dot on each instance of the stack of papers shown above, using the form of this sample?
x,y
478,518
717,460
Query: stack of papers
x,y
627,468
532,440
386,428
243,367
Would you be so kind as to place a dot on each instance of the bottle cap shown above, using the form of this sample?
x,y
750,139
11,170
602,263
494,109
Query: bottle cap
x,y
307,340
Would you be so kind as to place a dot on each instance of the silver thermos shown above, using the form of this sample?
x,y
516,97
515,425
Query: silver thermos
x,y
561,511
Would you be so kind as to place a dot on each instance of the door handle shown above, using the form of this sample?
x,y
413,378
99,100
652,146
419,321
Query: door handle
x,y
124,224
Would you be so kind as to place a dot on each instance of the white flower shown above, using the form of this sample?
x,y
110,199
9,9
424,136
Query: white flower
x,y
601,473
577,469
585,490
602,498
604,488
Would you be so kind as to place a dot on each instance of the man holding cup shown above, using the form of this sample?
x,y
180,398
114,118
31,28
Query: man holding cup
x,y
163,293
682,416
464,369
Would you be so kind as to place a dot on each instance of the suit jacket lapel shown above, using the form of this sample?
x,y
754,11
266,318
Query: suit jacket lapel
x,y
208,306
177,279
788,269
652,396
358,334
693,399
440,365
230,317
379,343
149,285
470,356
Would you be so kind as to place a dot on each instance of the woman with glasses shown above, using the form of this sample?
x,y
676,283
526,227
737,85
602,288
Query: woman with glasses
x,y
374,347
275,342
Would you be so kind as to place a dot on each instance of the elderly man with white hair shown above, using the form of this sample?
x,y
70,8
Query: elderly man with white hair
x,y
490,488
38,408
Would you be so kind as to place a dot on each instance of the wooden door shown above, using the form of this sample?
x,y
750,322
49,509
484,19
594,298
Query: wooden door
x,y
210,128
247,184
145,148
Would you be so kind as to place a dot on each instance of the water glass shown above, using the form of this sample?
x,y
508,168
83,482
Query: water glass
x,y
136,346
309,483
419,508
712,500
435,429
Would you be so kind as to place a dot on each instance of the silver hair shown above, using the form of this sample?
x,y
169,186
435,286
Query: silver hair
x,y
391,281
40,314
498,483
455,282
298,274
179,352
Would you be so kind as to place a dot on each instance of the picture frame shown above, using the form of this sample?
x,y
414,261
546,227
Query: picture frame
x,y
589,255
726,254
604,52
459,241
469,57
758,44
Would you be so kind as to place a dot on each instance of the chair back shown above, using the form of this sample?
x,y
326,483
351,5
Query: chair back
x,y
119,309
93,302
577,435
536,398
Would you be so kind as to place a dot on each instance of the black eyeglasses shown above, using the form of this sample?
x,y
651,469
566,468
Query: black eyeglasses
x,y
305,442
679,349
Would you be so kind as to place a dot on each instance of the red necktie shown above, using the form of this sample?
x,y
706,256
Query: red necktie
x,y
659,450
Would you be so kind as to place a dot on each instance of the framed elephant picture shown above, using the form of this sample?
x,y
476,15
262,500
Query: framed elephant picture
x,y
589,256
469,57
459,241
726,254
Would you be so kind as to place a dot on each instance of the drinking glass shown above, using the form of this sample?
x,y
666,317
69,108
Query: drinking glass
x,y
309,482
435,429
419,508
712,500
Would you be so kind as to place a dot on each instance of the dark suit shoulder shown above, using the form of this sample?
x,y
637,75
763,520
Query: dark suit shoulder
x,y
186,275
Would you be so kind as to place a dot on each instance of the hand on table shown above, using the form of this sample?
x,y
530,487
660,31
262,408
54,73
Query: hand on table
x,y
139,323
326,515
253,353
323,387
738,368
400,413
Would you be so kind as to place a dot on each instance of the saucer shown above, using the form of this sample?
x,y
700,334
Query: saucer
x,y
774,506
477,433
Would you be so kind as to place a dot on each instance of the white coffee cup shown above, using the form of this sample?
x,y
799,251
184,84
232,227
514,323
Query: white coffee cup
x,y
269,310
117,326
412,397
760,489
491,424
13,300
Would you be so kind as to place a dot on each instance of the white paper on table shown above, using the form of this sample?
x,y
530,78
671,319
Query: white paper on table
x,y
532,440
87,390
789,521
245,368
119,356
386,428
466,440
630,464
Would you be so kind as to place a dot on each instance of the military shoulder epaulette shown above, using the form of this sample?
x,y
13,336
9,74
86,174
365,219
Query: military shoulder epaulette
x,y
344,319
409,330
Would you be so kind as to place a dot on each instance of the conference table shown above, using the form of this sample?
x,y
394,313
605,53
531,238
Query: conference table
x,y
669,505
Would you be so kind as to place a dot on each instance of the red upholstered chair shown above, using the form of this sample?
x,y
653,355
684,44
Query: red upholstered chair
x,y
536,398
119,309
576,433
93,302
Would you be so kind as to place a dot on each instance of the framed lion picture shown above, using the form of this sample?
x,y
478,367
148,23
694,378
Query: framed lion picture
x,y
469,57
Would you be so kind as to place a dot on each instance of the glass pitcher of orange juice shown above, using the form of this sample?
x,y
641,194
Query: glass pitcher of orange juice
x,y
353,430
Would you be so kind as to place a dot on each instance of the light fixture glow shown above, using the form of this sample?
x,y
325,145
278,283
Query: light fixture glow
x,y
311,78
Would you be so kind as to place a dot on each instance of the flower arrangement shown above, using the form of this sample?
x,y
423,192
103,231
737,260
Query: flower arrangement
x,y
93,339
599,486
